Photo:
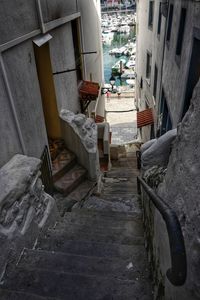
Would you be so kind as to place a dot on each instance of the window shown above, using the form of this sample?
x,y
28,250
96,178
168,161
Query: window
x,y
181,31
155,81
159,20
151,13
148,68
170,19
165,119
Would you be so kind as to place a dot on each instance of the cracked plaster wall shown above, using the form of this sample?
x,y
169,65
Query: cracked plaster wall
x,y
181,190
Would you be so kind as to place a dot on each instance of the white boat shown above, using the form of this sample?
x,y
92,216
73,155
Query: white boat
x,y
130,82
124,29
113,51
131,63
118,65
120,51
128,75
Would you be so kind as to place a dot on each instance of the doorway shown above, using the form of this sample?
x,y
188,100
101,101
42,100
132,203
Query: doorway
x,y
47,89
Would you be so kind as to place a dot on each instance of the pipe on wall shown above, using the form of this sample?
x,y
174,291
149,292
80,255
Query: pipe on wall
x,y
11,100
41,20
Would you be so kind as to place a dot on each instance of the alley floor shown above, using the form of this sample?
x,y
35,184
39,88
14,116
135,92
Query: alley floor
x,y
122,115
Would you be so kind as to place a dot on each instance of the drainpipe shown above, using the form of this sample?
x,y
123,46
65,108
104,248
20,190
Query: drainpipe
x,y
76,5
41,20
8,89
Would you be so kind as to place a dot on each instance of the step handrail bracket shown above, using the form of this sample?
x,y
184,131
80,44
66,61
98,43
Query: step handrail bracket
x,y
178,272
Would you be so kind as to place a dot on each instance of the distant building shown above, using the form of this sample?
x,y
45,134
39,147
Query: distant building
x,y
168,60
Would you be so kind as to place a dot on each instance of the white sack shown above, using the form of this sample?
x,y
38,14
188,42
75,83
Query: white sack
x,y
159,151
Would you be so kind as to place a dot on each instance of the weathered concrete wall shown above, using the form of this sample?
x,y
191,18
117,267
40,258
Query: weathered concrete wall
x,y
91,39
22,76
54,9
17,19
9,139
175,74
12,13
180,190
63,59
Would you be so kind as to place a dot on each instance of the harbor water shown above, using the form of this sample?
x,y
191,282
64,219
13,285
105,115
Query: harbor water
x,y
111,41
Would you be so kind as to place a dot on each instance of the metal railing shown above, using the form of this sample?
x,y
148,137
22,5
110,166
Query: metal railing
x,y
178,272
46,172
138,156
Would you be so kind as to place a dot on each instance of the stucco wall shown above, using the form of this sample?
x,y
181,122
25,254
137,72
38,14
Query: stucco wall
x,y
54,9
90,22
63,59
148,41
9,140
22,77
19,19
12,13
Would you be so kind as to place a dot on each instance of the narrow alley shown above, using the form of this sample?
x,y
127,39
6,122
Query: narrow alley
x,y
93,252
100,150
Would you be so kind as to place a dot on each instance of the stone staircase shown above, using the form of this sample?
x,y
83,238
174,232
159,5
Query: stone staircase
x,y
93,253
70,180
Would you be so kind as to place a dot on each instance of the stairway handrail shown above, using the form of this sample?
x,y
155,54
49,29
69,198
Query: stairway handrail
x,y
178,272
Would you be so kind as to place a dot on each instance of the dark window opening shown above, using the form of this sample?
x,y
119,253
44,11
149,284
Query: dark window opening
x,y
170,19
181,31
193,75
165,120
148,66
76,41
155,81
159,20
151,13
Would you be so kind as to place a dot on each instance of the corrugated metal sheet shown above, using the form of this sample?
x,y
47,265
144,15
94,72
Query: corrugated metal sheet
x,y
145,117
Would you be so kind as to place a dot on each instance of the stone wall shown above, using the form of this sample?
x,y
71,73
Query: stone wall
x,y
25,209
181,190
80,135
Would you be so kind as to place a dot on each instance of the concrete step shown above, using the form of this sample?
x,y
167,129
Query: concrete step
x,y
93,266
101,235
67,183
66,203
63,163
130,228
89,248
73,286
103,223
109,215
16,295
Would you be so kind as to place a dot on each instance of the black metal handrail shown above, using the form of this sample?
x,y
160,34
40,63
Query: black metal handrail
x,y
178,272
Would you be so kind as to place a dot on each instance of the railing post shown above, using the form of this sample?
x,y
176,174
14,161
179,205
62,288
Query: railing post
x,y
138,186
138,155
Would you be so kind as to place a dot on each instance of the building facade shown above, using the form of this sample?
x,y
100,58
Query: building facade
x,y
46,49
168,73
168,61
